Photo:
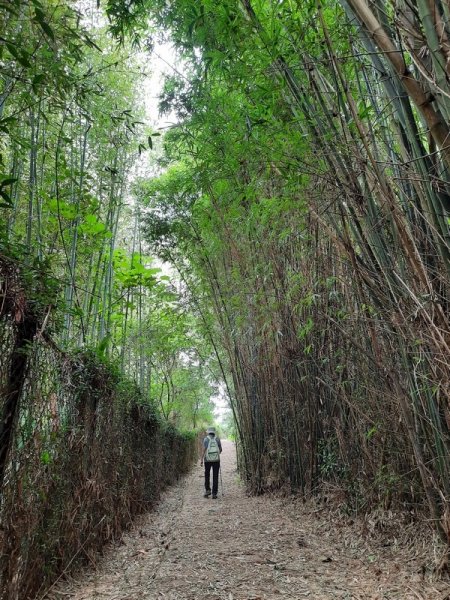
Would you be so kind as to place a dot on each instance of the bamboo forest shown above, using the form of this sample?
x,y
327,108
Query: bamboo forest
x,y
228,213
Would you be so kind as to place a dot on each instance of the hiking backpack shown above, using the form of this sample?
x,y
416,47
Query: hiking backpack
x,y
213,451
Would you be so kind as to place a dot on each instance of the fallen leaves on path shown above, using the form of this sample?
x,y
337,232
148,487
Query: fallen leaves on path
x,y
243,548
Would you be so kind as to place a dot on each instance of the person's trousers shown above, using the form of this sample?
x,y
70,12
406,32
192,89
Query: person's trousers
x,y
215,469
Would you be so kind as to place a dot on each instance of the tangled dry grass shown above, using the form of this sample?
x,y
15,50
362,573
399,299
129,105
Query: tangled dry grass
x,y
82,456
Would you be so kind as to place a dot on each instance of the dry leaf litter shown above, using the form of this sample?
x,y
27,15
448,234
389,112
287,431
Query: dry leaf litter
x,y
257,548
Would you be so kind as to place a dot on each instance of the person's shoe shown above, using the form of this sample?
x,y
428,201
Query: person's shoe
x,y
214,496
207,494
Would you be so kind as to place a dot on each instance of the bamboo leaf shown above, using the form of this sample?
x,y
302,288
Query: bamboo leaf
x,y
47,30
7,181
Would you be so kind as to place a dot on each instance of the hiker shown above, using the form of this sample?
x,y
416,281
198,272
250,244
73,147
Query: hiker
x,y
212,448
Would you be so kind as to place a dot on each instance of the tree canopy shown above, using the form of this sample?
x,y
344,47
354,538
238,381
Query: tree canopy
x,y
301,200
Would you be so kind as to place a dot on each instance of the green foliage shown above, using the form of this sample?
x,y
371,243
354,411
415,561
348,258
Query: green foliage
x,y
388,484
302,205
302,209
39,288
72,123
328,455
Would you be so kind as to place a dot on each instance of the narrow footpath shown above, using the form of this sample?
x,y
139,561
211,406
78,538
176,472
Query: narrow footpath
x,y
263,548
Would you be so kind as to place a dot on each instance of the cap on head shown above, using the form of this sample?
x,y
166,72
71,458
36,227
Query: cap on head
x,y
211,430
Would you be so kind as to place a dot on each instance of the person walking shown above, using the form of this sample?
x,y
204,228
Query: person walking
x,y
212,447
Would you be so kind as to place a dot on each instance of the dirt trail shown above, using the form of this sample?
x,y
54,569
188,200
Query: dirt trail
x,y
238,547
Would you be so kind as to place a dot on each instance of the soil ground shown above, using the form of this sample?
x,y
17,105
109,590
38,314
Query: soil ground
x,y
256,548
